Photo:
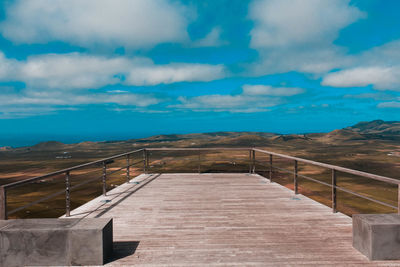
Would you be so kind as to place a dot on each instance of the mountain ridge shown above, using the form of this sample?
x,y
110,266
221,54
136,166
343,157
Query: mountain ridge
x,y
365,130
376,127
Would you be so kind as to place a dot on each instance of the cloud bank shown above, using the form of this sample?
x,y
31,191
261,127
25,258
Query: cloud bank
x,y
296,35
81,71
254,98
90,23
379,67
59,81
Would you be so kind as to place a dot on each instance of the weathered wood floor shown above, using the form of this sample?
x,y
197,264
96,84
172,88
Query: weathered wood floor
x,y
223,220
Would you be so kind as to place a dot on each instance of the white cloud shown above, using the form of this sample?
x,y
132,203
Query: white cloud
x,y
297,35
213,39
270,91
74,71
57,81
32,102
13,112
385,55
378,67
79,71
40,98
7,66
380,96
139,100
254,98
380,77
392,104
117,91
90,23
317,60
219,103
171,73
298,22
140,110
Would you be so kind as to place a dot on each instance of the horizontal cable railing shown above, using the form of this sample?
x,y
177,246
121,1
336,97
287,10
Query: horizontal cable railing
x,y
4,213
334,167
330,185
200,161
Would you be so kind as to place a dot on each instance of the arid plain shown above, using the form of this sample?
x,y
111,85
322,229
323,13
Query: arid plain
x,y
372,147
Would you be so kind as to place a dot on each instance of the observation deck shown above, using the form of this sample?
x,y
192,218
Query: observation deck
x,y
224,219
213,206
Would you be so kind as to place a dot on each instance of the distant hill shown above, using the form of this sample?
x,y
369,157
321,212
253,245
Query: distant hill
x,y
49,145
361,132
376,127
244,140
291,137
341,136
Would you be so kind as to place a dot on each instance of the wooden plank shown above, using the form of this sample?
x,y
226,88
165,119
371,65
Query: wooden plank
x,y
223,219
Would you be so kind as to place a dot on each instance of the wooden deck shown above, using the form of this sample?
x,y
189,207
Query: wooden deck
x,y
222,220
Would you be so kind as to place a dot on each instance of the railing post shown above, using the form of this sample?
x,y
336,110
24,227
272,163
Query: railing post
x,y
144,160
254,161
199,162
67,195
398,198
104,178
127,168
333,190
296,191
270,167
3,203
250,161
147,161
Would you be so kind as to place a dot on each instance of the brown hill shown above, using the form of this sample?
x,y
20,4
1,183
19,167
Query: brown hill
x,y
377,127
374,130
343,135
291,137
247,140
49,145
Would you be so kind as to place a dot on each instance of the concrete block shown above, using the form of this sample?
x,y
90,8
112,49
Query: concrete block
x,y
377,236
55,242
91,242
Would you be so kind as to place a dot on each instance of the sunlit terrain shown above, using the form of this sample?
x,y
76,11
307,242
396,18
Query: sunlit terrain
x,y
357,147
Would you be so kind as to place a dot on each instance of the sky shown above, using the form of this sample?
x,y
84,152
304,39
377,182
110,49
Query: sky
x,y
73,70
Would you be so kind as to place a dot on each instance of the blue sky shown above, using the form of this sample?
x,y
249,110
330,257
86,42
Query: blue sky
x,y
115,69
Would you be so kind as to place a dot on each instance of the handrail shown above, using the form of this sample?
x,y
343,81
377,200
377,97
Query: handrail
x,y
335,186
145,160
295,173
68,169
3,189
334,167
196,148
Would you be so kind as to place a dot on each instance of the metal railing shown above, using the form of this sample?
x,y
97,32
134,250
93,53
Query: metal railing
x,y
4,213
144,159
334,169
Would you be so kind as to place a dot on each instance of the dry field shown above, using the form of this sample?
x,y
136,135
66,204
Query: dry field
x,y
378,156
